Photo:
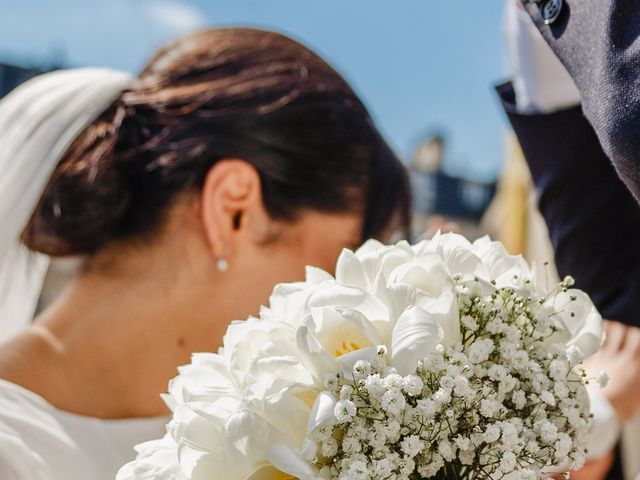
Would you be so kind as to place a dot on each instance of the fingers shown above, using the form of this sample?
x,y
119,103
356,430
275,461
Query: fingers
x,y
621,339
595,469
632,342
615,336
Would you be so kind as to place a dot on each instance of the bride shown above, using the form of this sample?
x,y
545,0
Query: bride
x,y
236,158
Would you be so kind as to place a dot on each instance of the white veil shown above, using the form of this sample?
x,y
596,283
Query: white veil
x,y
38,122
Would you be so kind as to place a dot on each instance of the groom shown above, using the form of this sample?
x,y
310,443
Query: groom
x,y
581,162
594,221
597,41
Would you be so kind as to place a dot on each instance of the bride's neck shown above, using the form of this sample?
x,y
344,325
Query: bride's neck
x,y
108,346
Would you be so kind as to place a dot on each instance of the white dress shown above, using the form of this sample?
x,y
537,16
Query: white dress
x,y
40,442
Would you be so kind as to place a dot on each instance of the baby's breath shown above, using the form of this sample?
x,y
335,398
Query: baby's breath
x,y
505,399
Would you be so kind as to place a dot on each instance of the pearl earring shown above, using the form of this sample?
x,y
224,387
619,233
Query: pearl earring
x,y
222,264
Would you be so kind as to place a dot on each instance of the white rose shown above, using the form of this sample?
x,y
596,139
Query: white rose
x,y
427,273
289,301
578,320
275,382
199,436
457,253
505,269
205,379
370,263
157,459
328,334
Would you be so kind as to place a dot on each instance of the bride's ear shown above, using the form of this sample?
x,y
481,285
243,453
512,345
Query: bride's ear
x,y
231,201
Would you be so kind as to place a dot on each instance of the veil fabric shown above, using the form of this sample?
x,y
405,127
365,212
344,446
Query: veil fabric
x,y
38,122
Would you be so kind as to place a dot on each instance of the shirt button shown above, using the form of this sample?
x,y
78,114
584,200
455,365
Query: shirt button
x,y
551,10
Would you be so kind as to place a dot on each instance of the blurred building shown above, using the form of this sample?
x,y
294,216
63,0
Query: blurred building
x,y
443,201
514,218
506,209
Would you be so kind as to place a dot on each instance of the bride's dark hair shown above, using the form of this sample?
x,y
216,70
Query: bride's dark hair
x,y
221,93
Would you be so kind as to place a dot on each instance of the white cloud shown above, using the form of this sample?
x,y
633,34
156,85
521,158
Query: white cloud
x,y
174,16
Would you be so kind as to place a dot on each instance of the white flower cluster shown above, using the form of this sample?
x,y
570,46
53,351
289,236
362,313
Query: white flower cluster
x,y
501,401
446,359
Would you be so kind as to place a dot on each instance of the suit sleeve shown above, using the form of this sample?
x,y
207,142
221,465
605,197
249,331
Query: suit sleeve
x,y
597,41
593,220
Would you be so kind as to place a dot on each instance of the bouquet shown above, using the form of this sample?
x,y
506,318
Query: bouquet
x,y
445,360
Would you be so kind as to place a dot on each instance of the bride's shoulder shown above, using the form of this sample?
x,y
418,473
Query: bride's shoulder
x,y
28,417
25,414
18,406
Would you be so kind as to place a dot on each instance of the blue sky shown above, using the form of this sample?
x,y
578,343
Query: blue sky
x,y
420,65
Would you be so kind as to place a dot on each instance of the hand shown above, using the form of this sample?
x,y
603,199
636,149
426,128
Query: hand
x,y
620,358
594,470
541,82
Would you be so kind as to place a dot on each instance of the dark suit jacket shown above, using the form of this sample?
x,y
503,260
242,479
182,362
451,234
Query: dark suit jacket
x,y
597,41
593,220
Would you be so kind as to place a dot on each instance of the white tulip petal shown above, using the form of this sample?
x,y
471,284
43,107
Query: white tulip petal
x,y
349,270
286,410
415,335
314,275
248,437
289,302
383,260
269,472
489,251
348,361
511,271
278,370
426,247
397,297
428,273
586,323
322,412
169,401
444,311
193,428
477,285
394,257
358,319
199,383
370,246
156,459
580,322
347,297
462,260
199,465
287,460
312,356
340,330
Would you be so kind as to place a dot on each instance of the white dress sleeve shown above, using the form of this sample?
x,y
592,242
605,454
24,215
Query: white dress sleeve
x,y
18,461
606,428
